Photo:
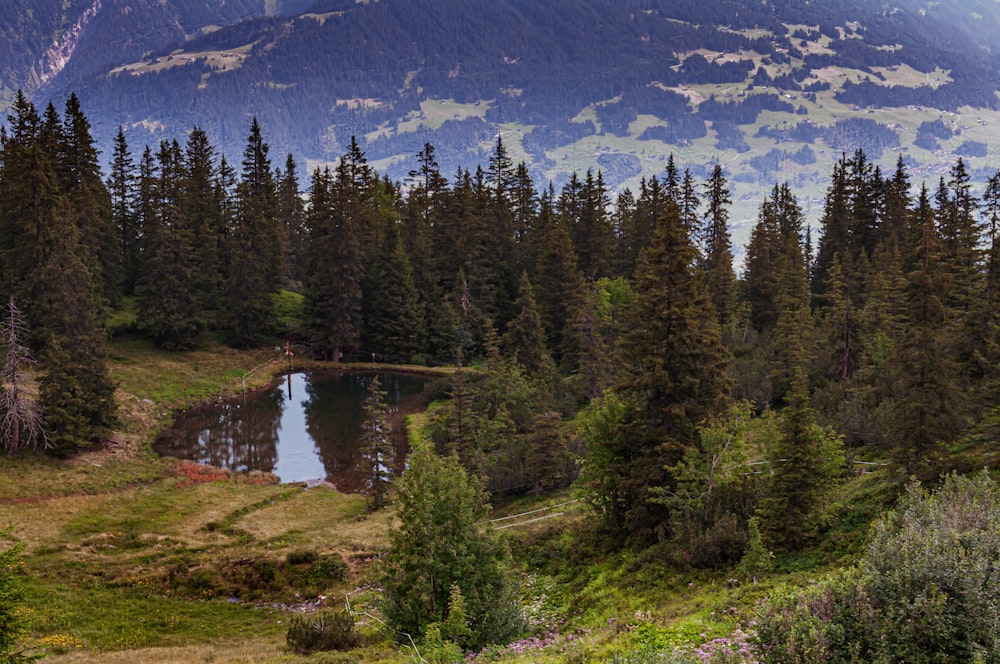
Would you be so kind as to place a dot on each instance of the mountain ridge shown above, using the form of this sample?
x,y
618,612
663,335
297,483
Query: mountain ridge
x,y
772,91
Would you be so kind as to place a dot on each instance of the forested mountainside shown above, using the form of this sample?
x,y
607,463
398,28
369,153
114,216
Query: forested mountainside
x,y
774,90
603,347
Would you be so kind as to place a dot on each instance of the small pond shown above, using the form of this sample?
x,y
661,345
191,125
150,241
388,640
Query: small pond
x,y
307,427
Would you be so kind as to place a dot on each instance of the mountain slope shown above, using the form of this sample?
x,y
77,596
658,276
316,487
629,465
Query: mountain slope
x,y
772,90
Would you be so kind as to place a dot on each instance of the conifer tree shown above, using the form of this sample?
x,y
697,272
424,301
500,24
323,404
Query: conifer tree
x,y
255,249
168,309
44,268
547,452
688,203
525,337
422,218
587,350
335,271
82,184
28,192
793,327
623,224
926,415
201,214
557,278
673,372
839,322
122,187
805,463
440,543
393,318
291,211
718,259
773,254
76,391
590,228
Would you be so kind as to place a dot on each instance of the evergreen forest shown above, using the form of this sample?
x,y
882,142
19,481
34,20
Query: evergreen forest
x,y
601,347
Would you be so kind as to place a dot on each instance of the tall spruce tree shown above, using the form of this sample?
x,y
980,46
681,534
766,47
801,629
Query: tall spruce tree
x,y
291,211
673,368
82,183
927,412
393,320
201,213
44,266
122,186
255,249
168,309
524,339
806,461
717,263
333,289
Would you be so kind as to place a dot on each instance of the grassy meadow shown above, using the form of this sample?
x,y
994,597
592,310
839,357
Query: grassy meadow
x,y
130,557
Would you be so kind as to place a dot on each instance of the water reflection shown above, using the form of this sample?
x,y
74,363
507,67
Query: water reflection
x,y
307,427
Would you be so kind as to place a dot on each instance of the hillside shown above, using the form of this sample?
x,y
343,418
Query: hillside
x,y
774,91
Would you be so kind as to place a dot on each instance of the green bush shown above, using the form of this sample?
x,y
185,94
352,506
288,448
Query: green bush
x,y
11,598
325,630
927,589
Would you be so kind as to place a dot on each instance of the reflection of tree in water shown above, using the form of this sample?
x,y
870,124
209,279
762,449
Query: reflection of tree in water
x,y
243,434
239,434
255,438
335,414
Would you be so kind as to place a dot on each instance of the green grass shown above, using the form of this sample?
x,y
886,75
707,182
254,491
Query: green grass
x,y
132,558
102,619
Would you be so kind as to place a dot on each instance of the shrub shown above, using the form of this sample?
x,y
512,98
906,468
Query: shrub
x,y
926,590
325,630
932,570
11,599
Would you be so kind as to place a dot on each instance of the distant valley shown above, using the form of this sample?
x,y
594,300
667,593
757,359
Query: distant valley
x,y
775,91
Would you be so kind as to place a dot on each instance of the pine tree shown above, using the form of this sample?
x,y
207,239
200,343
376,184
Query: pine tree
x,y
91,209
547,452
291,211
688,203
76,391
556,277
793,327
717,265
122,186
333,295
440,543
201,215
926,415
28,192
44,267
840,321
168,310
525,337
673,371
805,462
393,318
423,218
255,249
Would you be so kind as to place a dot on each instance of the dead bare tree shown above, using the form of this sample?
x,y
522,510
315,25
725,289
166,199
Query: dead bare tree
x,y
21,421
